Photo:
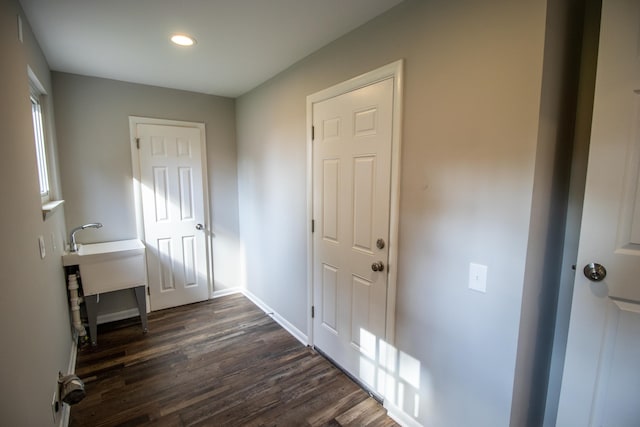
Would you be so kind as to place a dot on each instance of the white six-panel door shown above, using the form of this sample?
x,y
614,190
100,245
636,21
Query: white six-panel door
x,y
601,381
352,150
172,193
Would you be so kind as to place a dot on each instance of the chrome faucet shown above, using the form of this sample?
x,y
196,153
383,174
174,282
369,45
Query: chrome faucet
x,y
73,246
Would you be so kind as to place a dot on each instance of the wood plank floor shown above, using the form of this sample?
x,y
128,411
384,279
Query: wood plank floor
x,y
218,363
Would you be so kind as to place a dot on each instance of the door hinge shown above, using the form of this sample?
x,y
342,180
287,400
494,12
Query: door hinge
x,y
313,133
138,143
313,225
313,311
148,291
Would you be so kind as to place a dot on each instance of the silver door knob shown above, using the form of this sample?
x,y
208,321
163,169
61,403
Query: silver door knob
x,y
199,227
595,272
377,266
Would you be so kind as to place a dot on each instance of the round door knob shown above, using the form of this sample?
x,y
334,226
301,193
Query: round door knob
x,y
377,266
595,272
199,227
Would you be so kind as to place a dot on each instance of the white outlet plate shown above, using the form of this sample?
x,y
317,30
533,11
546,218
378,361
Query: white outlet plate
x,y
478,277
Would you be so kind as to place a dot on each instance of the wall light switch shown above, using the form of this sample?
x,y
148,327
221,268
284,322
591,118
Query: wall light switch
x,y
478,277
43,251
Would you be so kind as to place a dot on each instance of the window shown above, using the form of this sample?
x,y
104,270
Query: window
x,y
36,94
38,130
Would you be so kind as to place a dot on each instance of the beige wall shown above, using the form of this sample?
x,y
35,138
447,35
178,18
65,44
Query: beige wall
x,y
35,331
473,190
92,124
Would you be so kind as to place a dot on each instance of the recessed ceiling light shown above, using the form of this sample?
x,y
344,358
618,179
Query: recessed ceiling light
x,y
183,40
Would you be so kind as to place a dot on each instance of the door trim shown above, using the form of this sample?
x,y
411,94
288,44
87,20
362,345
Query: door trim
x,y
134,121
393,70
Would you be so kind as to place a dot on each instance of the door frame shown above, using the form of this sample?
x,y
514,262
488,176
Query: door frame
x,y
134,121
394,71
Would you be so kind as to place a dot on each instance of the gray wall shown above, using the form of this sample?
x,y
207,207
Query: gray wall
x,y
582,135
35,330
482,142
95,159
550,193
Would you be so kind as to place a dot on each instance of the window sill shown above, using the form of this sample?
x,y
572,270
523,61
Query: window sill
x,y
50,207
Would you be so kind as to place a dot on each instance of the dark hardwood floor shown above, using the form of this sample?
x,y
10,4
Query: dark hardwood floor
x,y
218,363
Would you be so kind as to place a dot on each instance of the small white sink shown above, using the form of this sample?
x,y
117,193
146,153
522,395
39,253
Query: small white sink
x,y
97,251
109,266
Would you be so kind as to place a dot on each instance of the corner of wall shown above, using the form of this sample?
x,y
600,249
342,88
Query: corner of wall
x,y
544,264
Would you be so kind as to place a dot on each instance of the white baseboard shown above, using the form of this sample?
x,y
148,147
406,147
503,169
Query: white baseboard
x,y
297,333
225,292
399,416
118,315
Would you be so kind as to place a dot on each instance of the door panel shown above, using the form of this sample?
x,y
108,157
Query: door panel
x,y
601,379
330,193
160,193
360,307
621,408
164,264
172,186
363,197
186,193
329,297
351,205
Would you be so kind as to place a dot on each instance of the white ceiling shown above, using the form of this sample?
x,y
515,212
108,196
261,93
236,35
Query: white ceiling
x,y
241,43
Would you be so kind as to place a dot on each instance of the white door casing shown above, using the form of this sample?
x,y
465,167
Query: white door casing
x,y
601,379
354,161
172,203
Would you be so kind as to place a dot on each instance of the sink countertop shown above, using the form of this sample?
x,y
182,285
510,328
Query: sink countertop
x,y
87,252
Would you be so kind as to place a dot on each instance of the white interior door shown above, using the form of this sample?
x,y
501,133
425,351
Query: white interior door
x,y
601,380
173,204
352,149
